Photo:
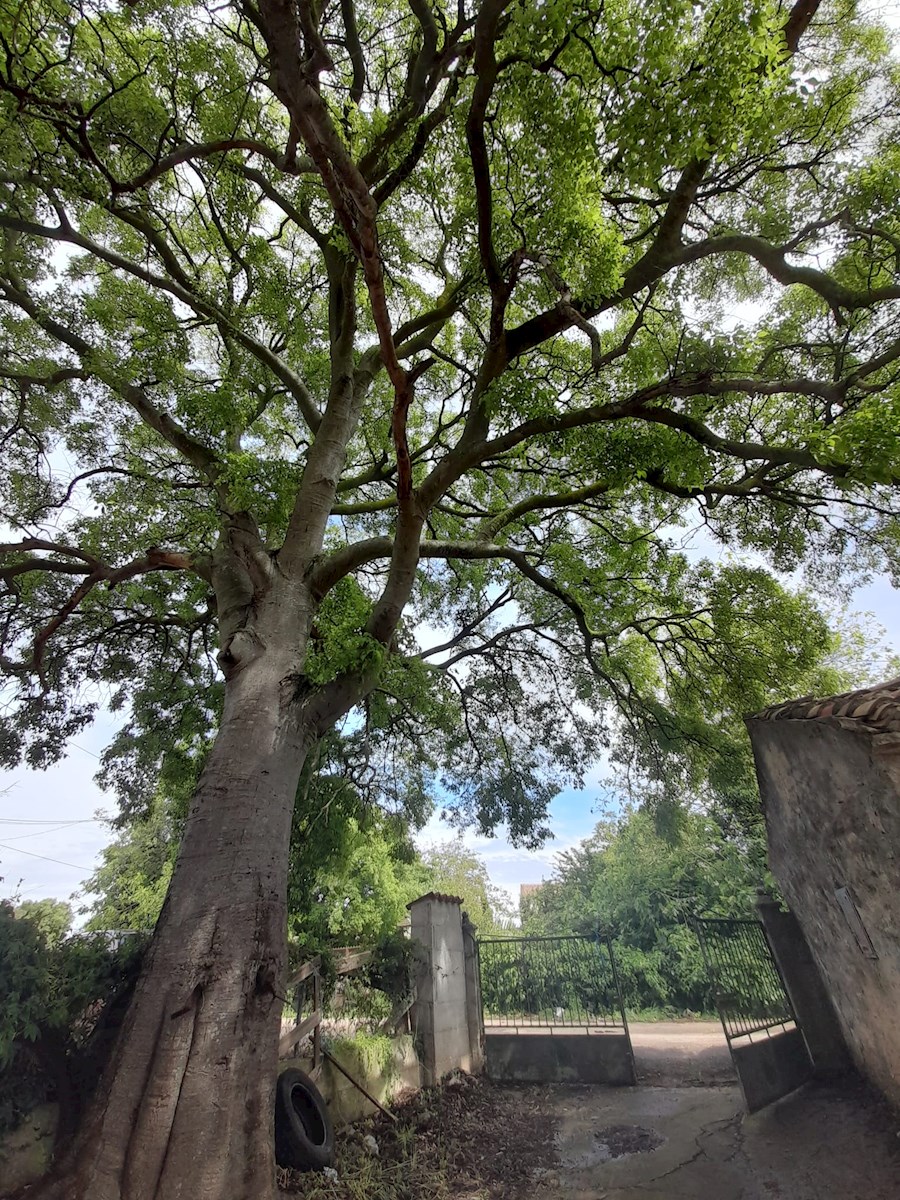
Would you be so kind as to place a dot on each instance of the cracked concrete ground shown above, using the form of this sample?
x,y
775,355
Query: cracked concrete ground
x,y
820,1143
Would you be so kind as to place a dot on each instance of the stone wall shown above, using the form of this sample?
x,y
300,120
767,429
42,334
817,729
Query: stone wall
x,y
831,792
398,1076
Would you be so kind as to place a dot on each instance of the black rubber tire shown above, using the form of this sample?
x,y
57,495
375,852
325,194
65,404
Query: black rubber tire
x,y
304,1135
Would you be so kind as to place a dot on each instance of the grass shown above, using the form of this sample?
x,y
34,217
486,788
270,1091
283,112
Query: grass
x,y
668,1014
409,1175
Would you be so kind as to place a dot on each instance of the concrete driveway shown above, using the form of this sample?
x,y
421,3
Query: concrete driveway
x,y
659,1143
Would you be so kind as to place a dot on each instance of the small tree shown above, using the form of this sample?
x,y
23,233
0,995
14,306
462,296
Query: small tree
x,y
457,871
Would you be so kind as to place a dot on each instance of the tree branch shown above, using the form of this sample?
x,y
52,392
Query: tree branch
x,y
491,527
194,151
199,304
774,260
798,22
486,72
95,572
194,451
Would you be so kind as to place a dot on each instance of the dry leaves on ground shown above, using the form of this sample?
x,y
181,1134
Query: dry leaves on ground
x,y
466,1140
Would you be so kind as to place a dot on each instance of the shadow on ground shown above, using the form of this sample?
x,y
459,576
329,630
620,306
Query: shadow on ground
x,y
681,1054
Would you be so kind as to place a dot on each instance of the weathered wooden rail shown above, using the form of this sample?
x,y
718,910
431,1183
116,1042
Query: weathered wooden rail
x,y
346,962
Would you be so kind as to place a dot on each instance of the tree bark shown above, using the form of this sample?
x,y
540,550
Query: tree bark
x,y
186,1110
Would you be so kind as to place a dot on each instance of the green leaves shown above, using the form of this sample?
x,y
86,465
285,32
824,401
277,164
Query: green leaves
x,y
455,871
641,886
51,977
690,326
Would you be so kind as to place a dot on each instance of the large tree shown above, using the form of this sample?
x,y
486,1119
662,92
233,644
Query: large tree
x,y
314,314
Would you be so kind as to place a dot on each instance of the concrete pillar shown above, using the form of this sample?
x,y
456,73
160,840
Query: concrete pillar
x,y
473,996
811,1001
441,1012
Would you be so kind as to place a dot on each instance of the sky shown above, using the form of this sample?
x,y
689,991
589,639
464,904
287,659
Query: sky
x,y
51,837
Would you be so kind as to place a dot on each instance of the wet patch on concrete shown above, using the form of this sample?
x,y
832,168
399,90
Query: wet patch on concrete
x,y
615,1141
581,1149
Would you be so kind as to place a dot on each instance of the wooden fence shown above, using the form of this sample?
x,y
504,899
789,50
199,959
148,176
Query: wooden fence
x,y
306,987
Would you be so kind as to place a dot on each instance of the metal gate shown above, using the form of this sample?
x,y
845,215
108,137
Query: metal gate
x,y
764,1036
552,1010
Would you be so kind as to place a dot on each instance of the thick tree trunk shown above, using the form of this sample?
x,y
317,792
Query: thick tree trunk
x,y
187,1109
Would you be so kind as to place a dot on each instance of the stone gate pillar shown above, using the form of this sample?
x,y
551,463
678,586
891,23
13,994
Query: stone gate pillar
x,y
441,1011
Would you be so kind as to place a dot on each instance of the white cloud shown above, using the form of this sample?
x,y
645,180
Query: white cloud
x,y
510,866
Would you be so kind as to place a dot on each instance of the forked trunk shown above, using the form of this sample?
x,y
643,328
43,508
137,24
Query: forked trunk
x,y
187,1109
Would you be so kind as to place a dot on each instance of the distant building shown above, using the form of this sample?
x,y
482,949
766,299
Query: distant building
x,y
528,889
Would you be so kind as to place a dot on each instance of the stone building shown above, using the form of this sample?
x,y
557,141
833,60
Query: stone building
x,y
829,777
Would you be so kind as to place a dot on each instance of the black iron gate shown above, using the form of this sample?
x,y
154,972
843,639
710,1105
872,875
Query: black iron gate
x,y
544,1002
764,1037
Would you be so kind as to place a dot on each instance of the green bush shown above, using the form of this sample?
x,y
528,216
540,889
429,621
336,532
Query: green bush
x,y
393,966
58,993
641,885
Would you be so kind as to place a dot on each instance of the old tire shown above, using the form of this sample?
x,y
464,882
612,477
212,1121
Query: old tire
x,y
304,1135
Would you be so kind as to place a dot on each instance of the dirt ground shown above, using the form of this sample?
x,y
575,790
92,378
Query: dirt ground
x,y
681,1053
474,1140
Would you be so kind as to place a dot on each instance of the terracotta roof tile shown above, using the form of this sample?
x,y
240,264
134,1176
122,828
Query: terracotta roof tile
x,y
438,896
877,707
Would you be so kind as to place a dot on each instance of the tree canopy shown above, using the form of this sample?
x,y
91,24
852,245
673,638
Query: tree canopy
x,y
354,869
457,871
569,204
374,358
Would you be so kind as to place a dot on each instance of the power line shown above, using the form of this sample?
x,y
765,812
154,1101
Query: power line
x,y
51,821
41,832
85,751
59,861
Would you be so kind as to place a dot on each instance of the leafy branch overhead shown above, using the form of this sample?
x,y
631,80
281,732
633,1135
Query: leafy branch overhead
x,y
409,338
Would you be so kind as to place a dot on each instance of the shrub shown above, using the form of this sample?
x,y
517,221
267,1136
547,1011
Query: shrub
x,y
62,995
